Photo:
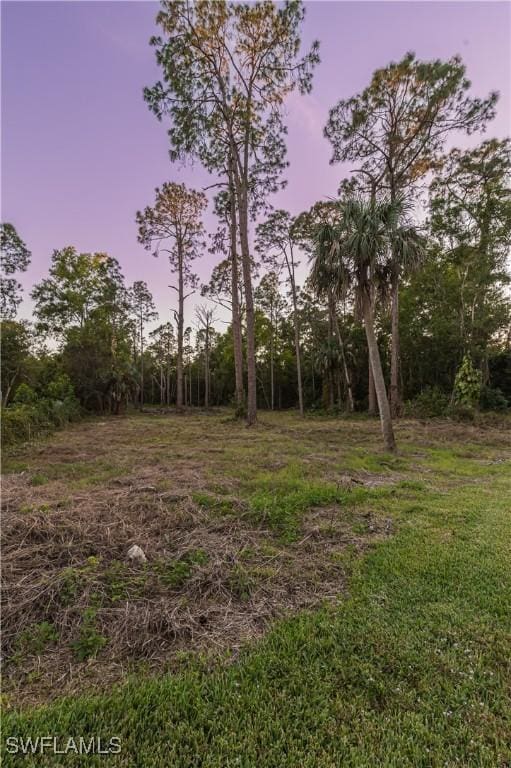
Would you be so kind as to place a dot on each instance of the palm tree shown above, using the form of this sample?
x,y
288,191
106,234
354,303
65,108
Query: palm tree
x,y
356,253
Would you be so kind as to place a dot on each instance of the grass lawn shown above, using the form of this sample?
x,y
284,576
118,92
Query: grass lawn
x,y
330,606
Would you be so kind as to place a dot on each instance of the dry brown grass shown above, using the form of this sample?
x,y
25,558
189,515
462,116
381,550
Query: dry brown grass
x,y
180,488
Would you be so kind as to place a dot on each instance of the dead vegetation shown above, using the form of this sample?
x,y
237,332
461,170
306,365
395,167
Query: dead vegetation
x,y
76,613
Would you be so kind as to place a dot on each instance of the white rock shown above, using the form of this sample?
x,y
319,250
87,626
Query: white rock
x,y
136,554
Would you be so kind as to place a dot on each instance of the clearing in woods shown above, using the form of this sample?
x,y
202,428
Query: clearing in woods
x,y
307,599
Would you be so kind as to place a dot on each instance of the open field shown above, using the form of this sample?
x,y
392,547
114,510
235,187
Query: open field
x,y
307,599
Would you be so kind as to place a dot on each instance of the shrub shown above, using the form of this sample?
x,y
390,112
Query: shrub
x,y
29,417
467,385
25,395
429,403
60,388
492,400
462,412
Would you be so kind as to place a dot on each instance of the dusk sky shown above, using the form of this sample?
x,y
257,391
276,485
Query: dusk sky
x,y
81,152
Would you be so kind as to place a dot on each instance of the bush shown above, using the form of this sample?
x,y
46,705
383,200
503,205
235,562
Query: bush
x,y
60,388
462,412
430,403
24,395
493,400
28,417
467,385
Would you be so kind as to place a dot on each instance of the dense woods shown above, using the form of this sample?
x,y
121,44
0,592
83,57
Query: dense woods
x,y
381,300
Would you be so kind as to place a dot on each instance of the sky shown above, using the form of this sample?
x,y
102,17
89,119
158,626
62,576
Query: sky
x,y
81,152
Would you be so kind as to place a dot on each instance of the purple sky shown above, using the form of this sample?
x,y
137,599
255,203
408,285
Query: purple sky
x,y
81,152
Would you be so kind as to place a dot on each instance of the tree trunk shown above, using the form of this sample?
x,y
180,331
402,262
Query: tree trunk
x,y
331,393
249,306
379,382
236,318
347,377
180,330
296,323
372,392
272,367
395,395
141,364
206,371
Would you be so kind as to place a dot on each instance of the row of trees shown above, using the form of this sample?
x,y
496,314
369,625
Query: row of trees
x,y
399,292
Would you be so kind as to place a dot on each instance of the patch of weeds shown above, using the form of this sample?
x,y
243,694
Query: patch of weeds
x,y
89,641
34,640
412,485
69,584
73,578
414,509
120,584
38,479
360,459
282,500
197,557
346,558
174,573
445,461
11,466
27,509
81,474
217,505
360,528
241,582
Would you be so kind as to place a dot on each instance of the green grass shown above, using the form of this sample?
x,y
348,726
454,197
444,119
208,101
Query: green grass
x,y
412,670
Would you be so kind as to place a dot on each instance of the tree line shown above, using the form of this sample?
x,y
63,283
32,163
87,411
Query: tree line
x,y
405,299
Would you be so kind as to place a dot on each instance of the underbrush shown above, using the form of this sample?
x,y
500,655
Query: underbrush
x,y
32,415
24,422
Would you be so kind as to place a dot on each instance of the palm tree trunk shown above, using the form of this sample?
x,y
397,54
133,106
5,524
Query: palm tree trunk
x,y
347,377
372,392
395,395
372,405
379,382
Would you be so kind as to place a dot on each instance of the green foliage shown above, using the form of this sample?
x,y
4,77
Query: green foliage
x,y
89,641
15,257
34,640
431,402
30,417
492,399
60,388
467,384
174,573
25,395
15,351
431,100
